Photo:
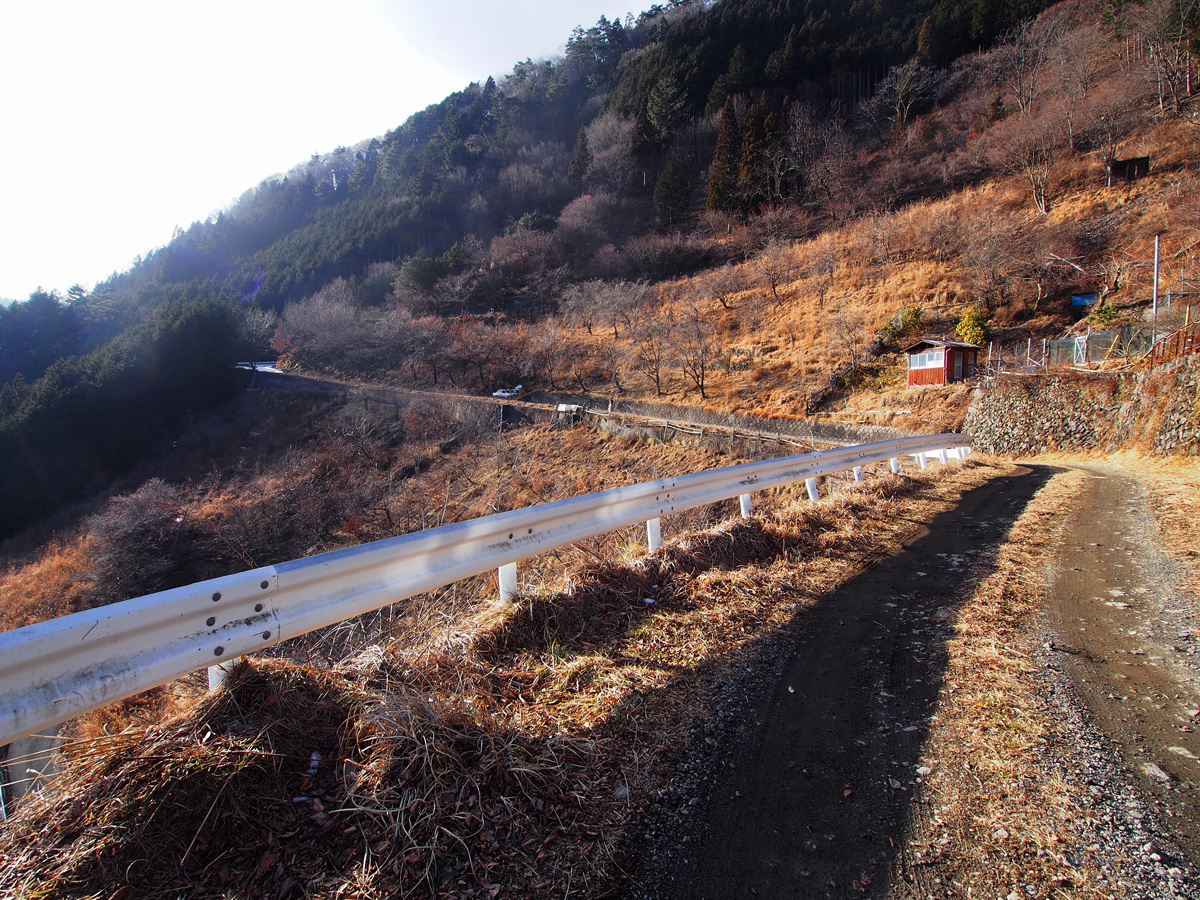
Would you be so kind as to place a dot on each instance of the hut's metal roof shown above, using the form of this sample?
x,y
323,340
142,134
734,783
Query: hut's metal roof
x,y
930,342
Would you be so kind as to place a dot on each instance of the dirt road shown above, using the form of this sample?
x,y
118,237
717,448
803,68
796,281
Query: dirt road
x,y
817,804
1128,633
825,797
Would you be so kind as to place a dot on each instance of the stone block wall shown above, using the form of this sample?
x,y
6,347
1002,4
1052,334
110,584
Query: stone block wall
x,y
1156,412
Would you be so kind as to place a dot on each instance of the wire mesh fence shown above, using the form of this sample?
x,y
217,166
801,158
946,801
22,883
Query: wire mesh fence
x,y
1116,347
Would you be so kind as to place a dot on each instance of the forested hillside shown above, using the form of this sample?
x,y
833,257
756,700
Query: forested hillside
x,y
729,199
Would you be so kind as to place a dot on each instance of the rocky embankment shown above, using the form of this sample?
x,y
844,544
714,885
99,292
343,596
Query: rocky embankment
x,y
1155,412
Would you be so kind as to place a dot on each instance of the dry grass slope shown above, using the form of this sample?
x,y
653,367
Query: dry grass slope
x,y
468,748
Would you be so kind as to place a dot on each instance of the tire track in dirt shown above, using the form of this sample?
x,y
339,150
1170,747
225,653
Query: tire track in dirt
x,y
822,794
1128,634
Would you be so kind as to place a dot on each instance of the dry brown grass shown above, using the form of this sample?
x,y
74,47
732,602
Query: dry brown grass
x,y
482,746
929,253
312,498
47,587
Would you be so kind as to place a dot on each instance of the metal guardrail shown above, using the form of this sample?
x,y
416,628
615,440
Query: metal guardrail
x,y
1183,342
54,671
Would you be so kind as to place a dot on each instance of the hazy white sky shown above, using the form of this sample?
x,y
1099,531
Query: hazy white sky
x,y
120,120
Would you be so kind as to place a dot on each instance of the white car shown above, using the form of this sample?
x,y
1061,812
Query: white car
x,y
506,394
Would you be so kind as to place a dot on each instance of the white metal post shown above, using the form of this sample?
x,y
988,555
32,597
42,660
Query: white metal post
x,y
654,534
894,462
813,494
858,475
920,457
744,500
1154,326
508,582
942,455
219,674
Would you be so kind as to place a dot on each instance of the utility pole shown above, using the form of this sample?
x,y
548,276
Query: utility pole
x,y
1154,315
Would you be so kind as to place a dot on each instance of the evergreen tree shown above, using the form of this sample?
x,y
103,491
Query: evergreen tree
x,y
644,142
723,179
755,141
665,108
672,192
580,161
785,65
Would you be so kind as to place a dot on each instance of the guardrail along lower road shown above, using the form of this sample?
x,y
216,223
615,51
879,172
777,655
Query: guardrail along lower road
x,y
54,671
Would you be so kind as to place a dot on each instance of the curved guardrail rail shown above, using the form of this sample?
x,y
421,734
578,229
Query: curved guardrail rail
x,y
53,671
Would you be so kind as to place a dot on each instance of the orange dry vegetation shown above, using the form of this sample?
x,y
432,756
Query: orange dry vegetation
x,y
843,286
465,748
348,484
44,588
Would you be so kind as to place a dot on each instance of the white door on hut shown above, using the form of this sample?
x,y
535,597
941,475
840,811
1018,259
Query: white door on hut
x,y
958,364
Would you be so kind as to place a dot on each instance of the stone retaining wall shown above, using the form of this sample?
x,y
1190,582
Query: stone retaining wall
x,y
1156,412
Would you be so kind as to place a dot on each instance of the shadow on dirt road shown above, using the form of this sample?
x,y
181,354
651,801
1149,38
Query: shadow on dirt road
x,y
817,800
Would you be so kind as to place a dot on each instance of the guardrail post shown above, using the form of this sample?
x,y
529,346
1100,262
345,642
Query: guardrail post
x,y
508,582
654,534
920,458
943,456
894,462
813,494
219,674
858,475
744,500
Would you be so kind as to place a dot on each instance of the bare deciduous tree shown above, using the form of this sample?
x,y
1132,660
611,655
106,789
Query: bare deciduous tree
x,y
776,266
257,328
905,90
697,351
849,336
581,362
1114,270
821,269
1028,147
806,139
1023,60
612,168
1168,28
986,258
321,330
721,284
581,304
548,352
474,345
453,292
652,347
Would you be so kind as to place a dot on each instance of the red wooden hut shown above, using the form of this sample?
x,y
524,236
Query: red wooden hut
x,y
940,362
